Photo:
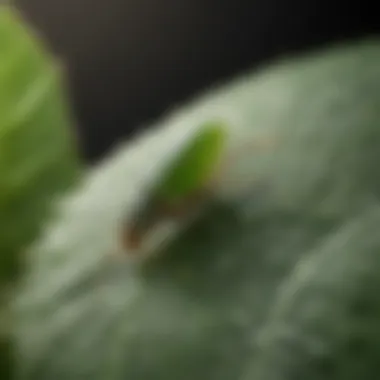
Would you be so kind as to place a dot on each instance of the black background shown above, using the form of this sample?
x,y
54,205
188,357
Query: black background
x,y
131,60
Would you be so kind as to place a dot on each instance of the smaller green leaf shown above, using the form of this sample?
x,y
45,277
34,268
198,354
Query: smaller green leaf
x,y
37,151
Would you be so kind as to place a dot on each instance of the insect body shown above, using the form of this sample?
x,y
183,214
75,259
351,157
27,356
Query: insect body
x,y
183,185
188,180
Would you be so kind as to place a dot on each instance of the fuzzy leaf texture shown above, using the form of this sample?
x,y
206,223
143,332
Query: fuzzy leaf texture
x,y
277,279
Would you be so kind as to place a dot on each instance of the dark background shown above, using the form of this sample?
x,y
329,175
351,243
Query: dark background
x,y
131,60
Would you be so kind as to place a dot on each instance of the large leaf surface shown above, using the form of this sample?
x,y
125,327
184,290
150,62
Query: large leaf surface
x,y
201,307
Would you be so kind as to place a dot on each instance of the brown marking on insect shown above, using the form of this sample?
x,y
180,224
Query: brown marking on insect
x,y
132,238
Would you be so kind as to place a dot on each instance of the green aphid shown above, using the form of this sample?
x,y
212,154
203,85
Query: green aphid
x,y
187,182
184,183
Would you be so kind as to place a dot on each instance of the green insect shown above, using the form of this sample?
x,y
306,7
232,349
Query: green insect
x,y
187,182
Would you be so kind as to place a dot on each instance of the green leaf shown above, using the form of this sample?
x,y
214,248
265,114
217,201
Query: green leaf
x,y
37,155
200,307
325,322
